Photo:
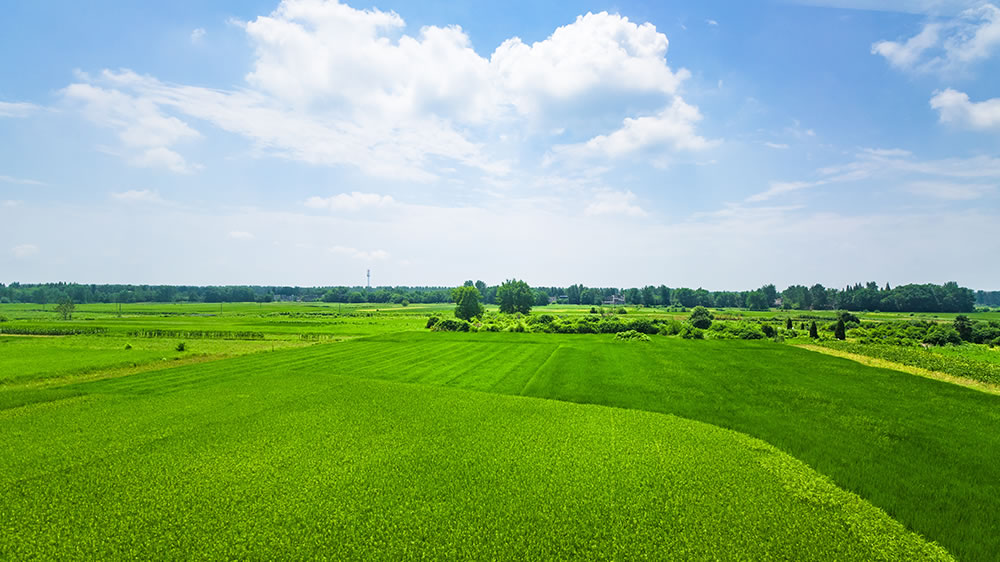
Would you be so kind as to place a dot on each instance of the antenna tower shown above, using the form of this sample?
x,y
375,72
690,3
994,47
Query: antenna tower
x,y
369,287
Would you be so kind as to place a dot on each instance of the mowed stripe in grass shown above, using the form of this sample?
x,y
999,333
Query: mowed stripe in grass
x,y
920,449
283,462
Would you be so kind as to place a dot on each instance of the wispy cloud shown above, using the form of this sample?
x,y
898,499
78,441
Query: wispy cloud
x,y
17,109
241,235
139,196
371,255
947,47
21,181
24,250
776,145
197,35
609,202
354,201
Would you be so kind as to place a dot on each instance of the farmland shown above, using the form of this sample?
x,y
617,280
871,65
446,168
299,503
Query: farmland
x,y
340,431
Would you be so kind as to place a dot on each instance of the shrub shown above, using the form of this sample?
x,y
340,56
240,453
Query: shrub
x,y
128,346
181,347
432,321
768,330
643,325
621,310
701,318
671,328
631,335
689,332
451,325
405,302
3,318
747,331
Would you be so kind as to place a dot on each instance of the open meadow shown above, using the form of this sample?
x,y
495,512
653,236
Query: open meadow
x,y
285,430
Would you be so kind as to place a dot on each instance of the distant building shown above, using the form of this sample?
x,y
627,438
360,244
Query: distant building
x,y
614,300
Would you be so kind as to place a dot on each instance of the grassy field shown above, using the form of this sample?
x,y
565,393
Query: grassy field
x,y
263,457
321,450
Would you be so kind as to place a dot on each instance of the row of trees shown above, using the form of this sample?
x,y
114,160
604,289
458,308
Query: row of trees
x,y
905,298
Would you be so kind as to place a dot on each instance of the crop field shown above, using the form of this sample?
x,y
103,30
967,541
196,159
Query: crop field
x,y
353,432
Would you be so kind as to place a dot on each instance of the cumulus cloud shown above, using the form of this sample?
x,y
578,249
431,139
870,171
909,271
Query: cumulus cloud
x,y
17,109
197,35
354,201
355,253
614,203
673,127
24,250
955,108
953,45
416,106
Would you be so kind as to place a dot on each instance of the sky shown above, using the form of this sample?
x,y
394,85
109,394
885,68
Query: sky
x,y
722,145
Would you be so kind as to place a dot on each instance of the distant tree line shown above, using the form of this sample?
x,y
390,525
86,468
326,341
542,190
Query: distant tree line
x,y
904,298
988,298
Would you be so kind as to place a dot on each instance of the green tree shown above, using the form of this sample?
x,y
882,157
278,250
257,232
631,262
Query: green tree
x,y
840,332
788,323
964,327
515,296
701,318
813,330
66,308
757,300
467,304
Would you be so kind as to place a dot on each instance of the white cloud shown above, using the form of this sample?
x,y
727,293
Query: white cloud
x,y
197,35
955,108
411,100
781,187
360,254
905,55
949,190
354,201
712,22
21,181
17,109
24,250
888,152
672,128
614,203
949,46
143,129
776,145
949,178
139,196
9,203
241,235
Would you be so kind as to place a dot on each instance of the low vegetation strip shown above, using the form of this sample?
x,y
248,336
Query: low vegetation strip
x,y
884,364
983,371
280,463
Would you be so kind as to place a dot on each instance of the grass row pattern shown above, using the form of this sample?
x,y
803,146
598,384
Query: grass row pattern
x,y
922,450
273,457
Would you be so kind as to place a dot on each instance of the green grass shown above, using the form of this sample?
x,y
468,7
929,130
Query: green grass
x,y
274,457
32,359
920,449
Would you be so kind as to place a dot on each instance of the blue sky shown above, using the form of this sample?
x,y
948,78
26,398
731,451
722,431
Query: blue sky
x,y
715,144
